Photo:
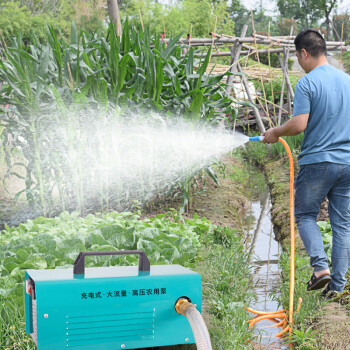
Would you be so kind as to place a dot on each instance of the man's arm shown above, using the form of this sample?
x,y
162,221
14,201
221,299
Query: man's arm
x,y
292,127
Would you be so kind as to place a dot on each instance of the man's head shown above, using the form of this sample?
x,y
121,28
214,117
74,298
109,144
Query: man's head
x,y
310,49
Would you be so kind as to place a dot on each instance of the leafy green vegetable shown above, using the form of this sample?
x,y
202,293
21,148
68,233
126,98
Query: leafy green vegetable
x,y
326,231
51,243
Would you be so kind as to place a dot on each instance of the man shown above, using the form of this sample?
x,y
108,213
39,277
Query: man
x,y
322,111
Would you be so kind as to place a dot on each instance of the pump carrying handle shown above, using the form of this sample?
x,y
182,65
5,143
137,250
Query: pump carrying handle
x,y
79,263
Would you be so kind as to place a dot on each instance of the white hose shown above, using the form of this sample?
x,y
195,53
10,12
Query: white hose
x,y
199,328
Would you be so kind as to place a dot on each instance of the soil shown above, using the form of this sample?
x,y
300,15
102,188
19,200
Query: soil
x,y
223,205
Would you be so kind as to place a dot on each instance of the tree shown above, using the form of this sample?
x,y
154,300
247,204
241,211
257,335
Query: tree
x,y
113,10
341,25
327,7
285,25
239,14
181,16
306,12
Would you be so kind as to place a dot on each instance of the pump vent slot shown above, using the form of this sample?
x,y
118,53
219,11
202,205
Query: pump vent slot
x,y
90,329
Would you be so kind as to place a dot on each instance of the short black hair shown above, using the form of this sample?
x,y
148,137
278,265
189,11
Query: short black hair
x,y
312,41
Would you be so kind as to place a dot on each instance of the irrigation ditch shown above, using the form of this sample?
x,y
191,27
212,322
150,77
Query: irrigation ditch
x,y
242,204
328,323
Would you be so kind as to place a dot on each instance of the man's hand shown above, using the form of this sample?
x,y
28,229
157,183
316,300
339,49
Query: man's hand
x,y
292,127
270,136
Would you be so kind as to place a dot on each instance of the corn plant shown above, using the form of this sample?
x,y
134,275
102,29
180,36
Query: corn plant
x,y
50,85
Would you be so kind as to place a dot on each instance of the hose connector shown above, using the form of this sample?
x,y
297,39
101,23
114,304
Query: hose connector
x,y
181,306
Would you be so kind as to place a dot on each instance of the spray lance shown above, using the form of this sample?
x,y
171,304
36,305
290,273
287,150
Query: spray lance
x,y
282,317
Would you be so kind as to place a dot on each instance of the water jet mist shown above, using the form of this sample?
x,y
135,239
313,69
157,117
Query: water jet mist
x,y
94,161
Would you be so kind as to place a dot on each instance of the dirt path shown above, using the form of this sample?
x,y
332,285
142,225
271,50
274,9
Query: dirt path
x,y
332,60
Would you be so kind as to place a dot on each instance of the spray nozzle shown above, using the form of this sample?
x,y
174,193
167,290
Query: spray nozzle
x,y
256,138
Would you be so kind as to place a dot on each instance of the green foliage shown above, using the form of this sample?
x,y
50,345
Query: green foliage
x,y
15,19
305,12
276,87
345,59
227,289
327,237
311,302
342,26
31,17
274,62
179,17
303,339
55,243
256,151
45,82
285,26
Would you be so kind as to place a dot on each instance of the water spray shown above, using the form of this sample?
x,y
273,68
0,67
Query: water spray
x,y
282,318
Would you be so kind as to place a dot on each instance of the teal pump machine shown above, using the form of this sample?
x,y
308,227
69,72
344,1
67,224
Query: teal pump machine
x,y
121,307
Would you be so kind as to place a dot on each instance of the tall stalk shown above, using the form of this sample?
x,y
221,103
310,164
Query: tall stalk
x,y
39,174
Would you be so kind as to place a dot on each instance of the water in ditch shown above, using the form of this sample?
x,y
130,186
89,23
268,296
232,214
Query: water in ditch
x,y
265,252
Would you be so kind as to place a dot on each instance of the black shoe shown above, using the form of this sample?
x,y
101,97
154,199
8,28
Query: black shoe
x,y
328,293
318,283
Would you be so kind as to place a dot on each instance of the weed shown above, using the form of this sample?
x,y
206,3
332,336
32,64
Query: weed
x,y
227,288
304,339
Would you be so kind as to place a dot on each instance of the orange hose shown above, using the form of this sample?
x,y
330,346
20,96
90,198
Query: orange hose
x,y
280,324
263,317
261,312
292,233
281,314
284,331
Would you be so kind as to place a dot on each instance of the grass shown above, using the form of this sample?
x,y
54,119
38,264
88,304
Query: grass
x,y
345,60
260,152
303,335
227,288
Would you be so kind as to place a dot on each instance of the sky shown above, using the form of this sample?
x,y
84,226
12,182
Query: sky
x,y
270,6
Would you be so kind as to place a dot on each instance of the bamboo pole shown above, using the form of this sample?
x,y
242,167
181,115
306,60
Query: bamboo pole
x,y
235,53
266,51
284,66
281,102
261,81
341,48
271,85
257,39
212,40
256,111
291,42
289,103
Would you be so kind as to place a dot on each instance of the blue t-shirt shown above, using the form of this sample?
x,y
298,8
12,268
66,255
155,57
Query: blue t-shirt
x,y
324,93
